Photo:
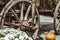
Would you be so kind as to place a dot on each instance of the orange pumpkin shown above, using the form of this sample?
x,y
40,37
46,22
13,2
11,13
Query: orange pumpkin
x,y
50,36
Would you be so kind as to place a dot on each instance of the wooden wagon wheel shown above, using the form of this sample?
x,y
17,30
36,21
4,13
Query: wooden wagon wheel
x,y
57,19
22,17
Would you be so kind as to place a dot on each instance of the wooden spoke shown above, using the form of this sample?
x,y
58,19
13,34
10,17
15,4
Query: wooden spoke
x,y
26,15
58,25
35,19
38,17
14,13
33,12
21,15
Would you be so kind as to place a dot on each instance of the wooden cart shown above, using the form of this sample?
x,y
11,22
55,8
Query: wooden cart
x,y
24,14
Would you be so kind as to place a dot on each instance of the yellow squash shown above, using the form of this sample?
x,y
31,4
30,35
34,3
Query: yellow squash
x,y
50,36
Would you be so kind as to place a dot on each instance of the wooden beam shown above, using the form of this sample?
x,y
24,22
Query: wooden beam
x,y
45,10
18,25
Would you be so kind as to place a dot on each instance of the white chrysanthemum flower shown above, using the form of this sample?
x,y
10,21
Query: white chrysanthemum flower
x,y
13,34
16,39
25,35
30,38
21,37
9,37
2,38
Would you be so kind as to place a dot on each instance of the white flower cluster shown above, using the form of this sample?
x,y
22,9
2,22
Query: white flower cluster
x,y
13,34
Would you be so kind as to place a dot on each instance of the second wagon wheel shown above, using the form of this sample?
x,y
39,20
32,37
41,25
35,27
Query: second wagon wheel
x,y
57,19
22,13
